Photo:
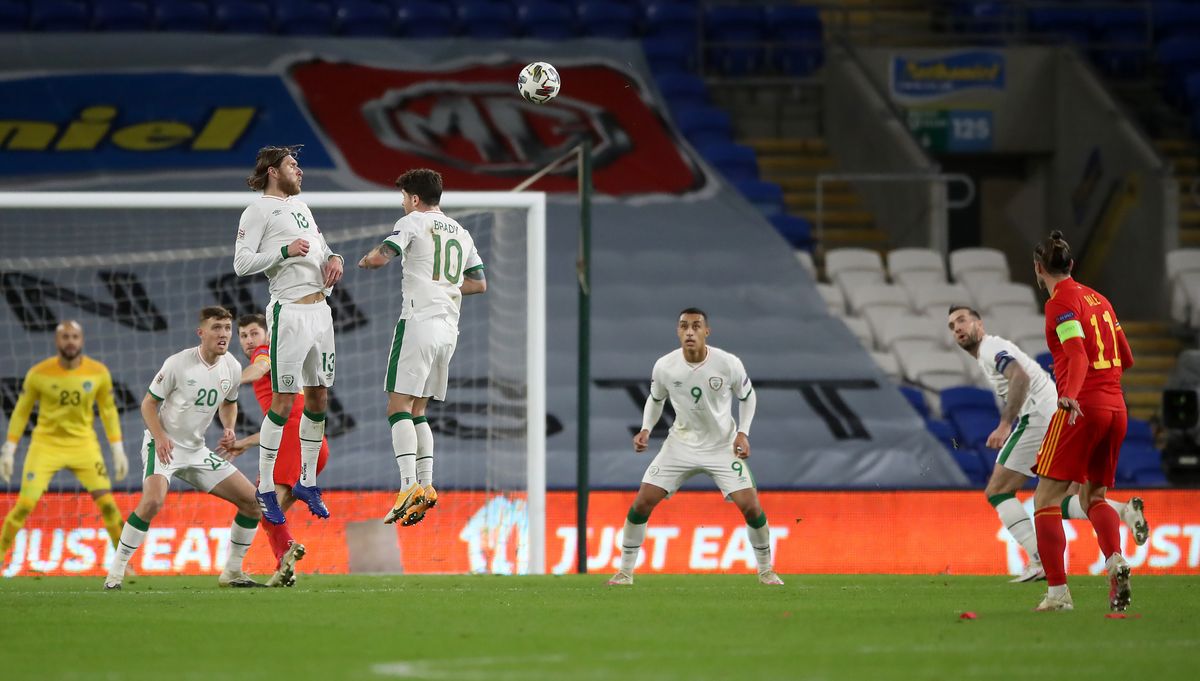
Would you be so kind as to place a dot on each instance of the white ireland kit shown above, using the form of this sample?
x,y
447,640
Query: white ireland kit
x,y
437,253
301,335
701,438
190,392
1019,452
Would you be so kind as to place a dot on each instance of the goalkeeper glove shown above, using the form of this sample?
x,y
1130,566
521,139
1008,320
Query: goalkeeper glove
x,y
6,459
120,461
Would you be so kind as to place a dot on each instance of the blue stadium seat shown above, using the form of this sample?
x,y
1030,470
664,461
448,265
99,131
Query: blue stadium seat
x,y
364,18
703,124
1139,431
1135,457
988,457
796,39
970,464
1046,361
1121,52
671,20
1176,19
613,20
665,55
968,397
736,162
303,17
242,16
191,16
943,431
916,397
683,89
1071,23
980,17
797,231
767,197
121,15
485,20
1149,477
59,15
424,20
735,34
974,425
546,20
14,15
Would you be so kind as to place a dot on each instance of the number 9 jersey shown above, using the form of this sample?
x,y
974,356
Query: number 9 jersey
x,y
1076,311
436,252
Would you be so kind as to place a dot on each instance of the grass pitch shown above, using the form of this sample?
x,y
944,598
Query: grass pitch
x,y
684,628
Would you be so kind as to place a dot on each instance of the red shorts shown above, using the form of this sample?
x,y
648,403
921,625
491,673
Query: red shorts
x,y
1086,451
287,464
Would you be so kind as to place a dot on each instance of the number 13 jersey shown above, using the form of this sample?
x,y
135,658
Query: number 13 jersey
x,y
436,252
1076,311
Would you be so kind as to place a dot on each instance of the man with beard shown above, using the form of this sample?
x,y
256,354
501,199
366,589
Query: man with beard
x,y
278,236
1030,402
64,388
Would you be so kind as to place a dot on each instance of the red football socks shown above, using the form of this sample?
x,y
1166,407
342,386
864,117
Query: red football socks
x,y
1107,525
1052,544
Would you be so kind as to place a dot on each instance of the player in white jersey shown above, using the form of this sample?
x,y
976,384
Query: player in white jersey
x,y
441,265
278,235
701,382
1030,401
193,386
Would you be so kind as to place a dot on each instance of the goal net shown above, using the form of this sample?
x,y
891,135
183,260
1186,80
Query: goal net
x,y
135,268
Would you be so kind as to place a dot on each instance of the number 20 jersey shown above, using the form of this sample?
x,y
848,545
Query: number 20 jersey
x,y
191,392
1076,311
437,252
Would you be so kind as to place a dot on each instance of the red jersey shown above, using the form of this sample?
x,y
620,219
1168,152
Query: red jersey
x,y
262,387
1089,348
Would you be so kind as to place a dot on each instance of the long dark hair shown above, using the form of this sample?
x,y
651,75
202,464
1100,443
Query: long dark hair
x,y
1054,254
268,157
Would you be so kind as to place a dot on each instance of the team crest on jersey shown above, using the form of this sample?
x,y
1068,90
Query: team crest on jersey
x,y
225,385
287,380
716,382
87,386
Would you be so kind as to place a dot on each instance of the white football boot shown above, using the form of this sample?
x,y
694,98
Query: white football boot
x,y
769,577
1033,572
1118,582
1050,603
621,579
1134,516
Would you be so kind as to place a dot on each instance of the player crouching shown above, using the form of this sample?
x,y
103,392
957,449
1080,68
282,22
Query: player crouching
x,y
192,387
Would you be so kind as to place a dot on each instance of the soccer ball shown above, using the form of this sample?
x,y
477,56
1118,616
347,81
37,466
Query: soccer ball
x,y
538,82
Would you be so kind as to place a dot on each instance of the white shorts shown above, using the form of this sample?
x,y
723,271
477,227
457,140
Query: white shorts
x,y
201,468
1019,452
677,462
419,363
302,353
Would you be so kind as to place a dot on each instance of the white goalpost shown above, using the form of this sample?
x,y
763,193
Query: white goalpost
x,y
135,267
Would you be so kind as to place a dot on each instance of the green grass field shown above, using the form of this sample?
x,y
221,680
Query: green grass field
x,y
532,628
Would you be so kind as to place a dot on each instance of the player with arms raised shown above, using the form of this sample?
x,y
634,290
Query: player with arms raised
x,y
192,387
278,235
1084,438
1030,402
64,388
441,265
701,382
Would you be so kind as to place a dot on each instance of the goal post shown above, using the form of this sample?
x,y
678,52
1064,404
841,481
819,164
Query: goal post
x,y
111,252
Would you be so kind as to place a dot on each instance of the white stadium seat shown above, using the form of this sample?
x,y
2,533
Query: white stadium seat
x,y
912,267
806,261
834,299
937,298
906,334
864,298
1181,263
1007,299
861,331
978,268
887,362
935,369
851,268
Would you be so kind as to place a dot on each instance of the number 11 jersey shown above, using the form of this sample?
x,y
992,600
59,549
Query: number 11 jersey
x,y
1076,311
437,252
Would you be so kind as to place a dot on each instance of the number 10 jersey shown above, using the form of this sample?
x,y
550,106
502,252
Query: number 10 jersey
x,y
437,252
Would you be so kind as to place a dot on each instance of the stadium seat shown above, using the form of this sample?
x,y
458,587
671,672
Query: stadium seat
x,y
14,15
670,55
834,300
1069,23
364,18
935,370
1139,431
59,15
987,457
735,34
1182,261
182,16
904,334
1188,284
863,298
978,267
1149,477
916,397
121,15
240,16
805,258
736,162
974,426
966,397
795,32
546,20
861,331
703,124
683,89
303,17
767,197
1136,457
911,267
1173,19
888,364
935,299
602,19
797,230
1007,299
1046,361
943,431
971,465
671,19
841,262
424,20
486,20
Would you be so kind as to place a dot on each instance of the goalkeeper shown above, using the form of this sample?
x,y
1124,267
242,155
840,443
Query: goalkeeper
x,y
64,387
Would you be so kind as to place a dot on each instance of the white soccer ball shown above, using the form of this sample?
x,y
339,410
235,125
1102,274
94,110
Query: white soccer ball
x,y
538,82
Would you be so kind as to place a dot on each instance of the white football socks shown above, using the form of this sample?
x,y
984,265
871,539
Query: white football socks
x,y
404,446
632,538
1016,520
312,430
269,438
424,451
760,539
241,536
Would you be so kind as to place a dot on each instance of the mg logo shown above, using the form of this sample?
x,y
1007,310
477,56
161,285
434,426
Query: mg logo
x,y
482,127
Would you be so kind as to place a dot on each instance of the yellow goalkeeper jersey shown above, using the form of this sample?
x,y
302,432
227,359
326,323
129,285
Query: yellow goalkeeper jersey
x,y
65,398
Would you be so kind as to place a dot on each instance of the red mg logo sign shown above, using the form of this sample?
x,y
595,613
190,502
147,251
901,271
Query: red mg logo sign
x,y
472,126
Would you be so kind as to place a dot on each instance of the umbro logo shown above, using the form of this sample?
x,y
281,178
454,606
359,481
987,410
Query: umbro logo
x,y
277,211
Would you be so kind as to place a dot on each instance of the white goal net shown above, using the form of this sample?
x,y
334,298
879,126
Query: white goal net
x,y
135,268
